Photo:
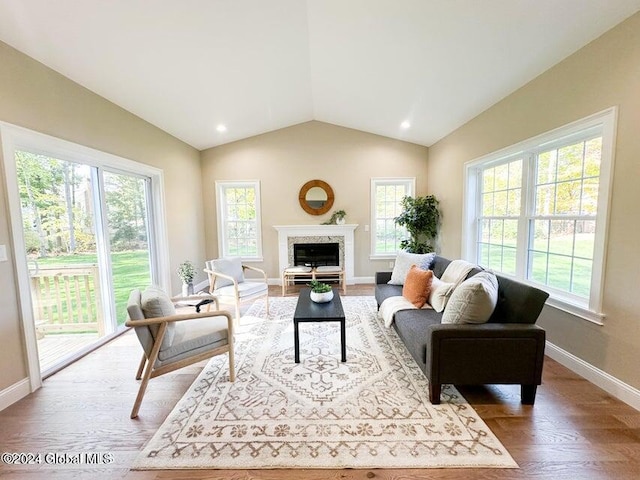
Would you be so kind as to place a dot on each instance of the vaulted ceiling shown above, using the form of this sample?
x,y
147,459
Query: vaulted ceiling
x,y
253,66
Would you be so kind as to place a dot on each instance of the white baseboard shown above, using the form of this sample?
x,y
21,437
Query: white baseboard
x,y
354,281
204,285
15,392
610,384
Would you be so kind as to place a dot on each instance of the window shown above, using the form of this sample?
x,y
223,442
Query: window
x,y
239,224
537,211
386,195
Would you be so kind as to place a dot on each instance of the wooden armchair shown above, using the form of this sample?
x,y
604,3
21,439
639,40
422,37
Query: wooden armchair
x,y
229,285
171,341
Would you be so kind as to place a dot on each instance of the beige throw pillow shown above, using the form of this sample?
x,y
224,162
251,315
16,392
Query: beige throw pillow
x,y
439,294
473,301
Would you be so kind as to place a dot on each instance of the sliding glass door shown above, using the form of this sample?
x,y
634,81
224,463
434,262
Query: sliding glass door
x,y
127,211
86,239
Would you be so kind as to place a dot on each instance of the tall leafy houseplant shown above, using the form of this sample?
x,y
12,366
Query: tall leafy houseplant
x,y
421,217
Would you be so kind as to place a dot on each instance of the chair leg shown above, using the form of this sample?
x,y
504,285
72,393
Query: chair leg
x,y
151,361
236,321
143,388
267,301
141,367
232,364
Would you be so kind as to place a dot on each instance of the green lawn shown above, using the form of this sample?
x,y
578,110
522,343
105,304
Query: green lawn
x,y
130,270
555,270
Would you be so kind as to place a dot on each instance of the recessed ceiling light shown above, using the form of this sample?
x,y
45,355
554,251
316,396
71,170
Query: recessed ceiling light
x,y
405,124
221,128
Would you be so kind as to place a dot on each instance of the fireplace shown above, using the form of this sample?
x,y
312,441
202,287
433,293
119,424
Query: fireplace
x,y
342,235
316,254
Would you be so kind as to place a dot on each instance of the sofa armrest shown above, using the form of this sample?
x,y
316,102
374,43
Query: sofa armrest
x,y
485,354
382,277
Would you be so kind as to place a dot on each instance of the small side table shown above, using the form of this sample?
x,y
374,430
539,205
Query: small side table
x,y
291,274
310,311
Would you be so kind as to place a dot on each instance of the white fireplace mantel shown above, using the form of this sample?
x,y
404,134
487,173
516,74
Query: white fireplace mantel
x,y
346,231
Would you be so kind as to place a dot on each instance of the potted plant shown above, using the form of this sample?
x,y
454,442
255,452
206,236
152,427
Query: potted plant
x,y
186,272
420,216
320,292
337,218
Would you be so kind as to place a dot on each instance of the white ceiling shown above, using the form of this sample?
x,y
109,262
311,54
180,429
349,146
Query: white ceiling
x,y
187,66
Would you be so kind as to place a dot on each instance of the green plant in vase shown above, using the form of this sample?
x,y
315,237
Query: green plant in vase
x,y
187,272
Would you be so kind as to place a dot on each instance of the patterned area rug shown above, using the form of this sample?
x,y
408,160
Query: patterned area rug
x,y
372,411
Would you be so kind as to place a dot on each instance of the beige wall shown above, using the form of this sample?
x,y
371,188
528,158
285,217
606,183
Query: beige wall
x,y
286,159
602,74
35,97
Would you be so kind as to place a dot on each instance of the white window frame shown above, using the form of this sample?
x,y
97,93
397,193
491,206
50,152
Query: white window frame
x,y
605,121
410,184
223,248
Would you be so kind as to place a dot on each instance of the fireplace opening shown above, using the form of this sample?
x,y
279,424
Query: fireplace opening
x,y
316,254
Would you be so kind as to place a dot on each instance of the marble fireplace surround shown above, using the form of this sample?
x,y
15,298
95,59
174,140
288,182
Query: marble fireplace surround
x,y
341,234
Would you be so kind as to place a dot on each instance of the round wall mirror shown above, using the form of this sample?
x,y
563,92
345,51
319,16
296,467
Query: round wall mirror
x,y
316,197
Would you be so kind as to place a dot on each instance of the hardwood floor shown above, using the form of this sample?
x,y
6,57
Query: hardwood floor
x,y
574,431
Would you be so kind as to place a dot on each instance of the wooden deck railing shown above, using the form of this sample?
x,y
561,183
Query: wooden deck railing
x,y
67,299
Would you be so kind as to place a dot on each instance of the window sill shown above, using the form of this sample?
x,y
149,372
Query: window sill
x,y
576,310
252,259
383,256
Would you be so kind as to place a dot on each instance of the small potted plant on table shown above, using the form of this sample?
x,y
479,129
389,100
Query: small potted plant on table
x,y
186,272
320,292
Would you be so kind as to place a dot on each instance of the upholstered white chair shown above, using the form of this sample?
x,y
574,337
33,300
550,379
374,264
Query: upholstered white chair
x,y
228,283
171,341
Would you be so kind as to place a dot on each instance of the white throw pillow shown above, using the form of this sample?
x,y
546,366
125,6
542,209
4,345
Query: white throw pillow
x,y
439,294
403,263
473,301
156,303
231,266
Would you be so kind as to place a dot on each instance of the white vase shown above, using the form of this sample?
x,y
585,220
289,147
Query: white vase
x,y
187,289
323,297
340,221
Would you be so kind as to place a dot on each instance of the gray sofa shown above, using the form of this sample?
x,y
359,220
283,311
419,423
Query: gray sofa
x,y
508,349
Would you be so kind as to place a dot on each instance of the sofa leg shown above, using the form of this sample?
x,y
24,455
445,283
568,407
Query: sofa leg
x,y
528,394
434,393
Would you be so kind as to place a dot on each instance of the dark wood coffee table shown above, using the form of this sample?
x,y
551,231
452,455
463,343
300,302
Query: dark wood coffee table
x,y
309,311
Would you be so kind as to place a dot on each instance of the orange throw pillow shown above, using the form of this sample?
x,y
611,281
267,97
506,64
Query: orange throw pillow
x,y
417,286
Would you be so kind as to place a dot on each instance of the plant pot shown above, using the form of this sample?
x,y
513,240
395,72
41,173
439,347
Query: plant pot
x,y
340,221
321,297
187,289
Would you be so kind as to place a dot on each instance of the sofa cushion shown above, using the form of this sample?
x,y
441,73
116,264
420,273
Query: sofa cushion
x,y
411,326
473,301
417,286
384,291
440,294
403,263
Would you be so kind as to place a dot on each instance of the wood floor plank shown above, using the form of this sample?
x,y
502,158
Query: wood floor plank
x,y
574,431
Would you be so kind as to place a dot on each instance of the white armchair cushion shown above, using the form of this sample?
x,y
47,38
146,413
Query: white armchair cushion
x,y
231,266
194,335
245,289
